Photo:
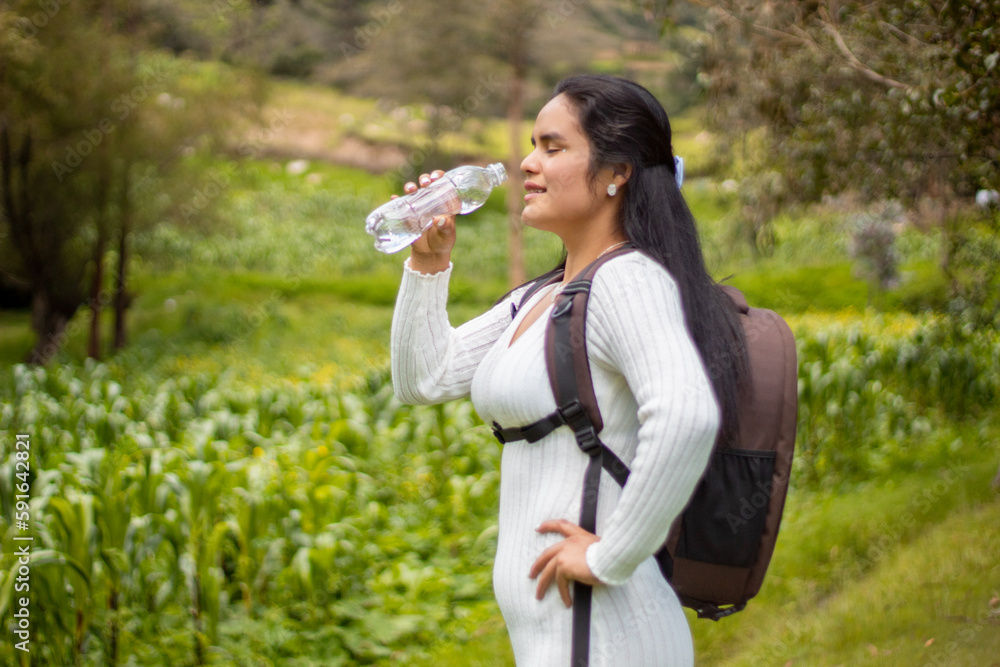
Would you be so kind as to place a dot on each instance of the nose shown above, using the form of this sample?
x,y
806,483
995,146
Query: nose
x,y
529,165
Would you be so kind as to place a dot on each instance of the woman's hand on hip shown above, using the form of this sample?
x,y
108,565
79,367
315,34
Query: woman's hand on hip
x,y
564,562
431,253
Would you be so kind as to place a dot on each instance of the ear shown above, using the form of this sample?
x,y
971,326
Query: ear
x,y
621,174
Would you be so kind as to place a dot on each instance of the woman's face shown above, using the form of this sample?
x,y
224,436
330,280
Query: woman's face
x,y
559,196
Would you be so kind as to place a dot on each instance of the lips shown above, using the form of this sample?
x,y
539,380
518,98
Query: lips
x,y
532,189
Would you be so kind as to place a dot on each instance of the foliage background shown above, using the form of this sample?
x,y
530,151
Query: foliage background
x,y
237,485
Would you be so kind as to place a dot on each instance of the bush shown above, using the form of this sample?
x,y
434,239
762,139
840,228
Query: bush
x,y
203,516
870,397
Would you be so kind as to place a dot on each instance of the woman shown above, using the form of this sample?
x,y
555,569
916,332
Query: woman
x,y
601,175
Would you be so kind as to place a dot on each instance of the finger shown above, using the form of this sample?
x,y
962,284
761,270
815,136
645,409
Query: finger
x,y
427,179
544,559
561,526
548,574
440,233
563,584
445,225
410,187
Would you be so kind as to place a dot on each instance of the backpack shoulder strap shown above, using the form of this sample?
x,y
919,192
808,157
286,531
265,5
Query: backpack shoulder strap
x,y
573,387
533,287
566,343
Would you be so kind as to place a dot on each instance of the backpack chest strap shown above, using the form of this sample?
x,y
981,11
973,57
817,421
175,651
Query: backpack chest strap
x,y
612,464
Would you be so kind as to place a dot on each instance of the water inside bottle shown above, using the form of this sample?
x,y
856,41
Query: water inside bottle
x,y
398,223
389,241
442,199
474,184
472,201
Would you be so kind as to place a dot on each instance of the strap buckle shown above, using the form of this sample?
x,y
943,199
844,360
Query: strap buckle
x,y
563,306
565,302
577,419
572,411
498,433
711,611
587,440
577,287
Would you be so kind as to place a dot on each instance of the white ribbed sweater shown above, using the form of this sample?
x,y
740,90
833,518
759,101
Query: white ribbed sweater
x,y
660,418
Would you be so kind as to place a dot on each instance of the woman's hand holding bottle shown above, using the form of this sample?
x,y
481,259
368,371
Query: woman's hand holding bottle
x,y
431,253
402,220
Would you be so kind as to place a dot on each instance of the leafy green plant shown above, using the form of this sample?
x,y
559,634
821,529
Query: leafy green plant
x,y
201,518
178,515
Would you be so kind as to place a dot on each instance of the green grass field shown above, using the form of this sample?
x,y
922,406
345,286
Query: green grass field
x,y
900,572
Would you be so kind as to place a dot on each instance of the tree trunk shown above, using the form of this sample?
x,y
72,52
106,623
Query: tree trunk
x,y
121,293
53,301
515,180
100,245
50,325
94,340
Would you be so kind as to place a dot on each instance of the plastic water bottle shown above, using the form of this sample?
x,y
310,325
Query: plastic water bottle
x,y
401,221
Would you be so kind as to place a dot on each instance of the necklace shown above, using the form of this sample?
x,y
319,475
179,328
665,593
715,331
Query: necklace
x,y
610,248
559,287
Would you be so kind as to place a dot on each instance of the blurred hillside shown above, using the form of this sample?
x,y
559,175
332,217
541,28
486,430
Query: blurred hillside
x,y
170,85
366,47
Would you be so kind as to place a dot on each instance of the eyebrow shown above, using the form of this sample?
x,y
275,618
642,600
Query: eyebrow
x,y
549,136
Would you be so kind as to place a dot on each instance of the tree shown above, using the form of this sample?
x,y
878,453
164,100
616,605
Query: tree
x,y
462,59
889,100
50,128
438,58
540,40
83,110
515,20
894,99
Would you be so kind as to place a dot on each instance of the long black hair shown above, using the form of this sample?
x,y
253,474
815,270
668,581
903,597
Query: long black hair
x,y
627,126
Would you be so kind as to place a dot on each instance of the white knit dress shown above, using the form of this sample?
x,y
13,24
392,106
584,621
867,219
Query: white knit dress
x,y
660,418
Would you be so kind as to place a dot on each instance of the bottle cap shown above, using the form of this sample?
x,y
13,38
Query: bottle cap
x,y
497,173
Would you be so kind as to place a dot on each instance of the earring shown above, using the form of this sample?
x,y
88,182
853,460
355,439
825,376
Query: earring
x,y
612,189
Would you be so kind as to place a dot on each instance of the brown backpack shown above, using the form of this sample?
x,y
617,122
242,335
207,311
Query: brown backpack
x,y
720,546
